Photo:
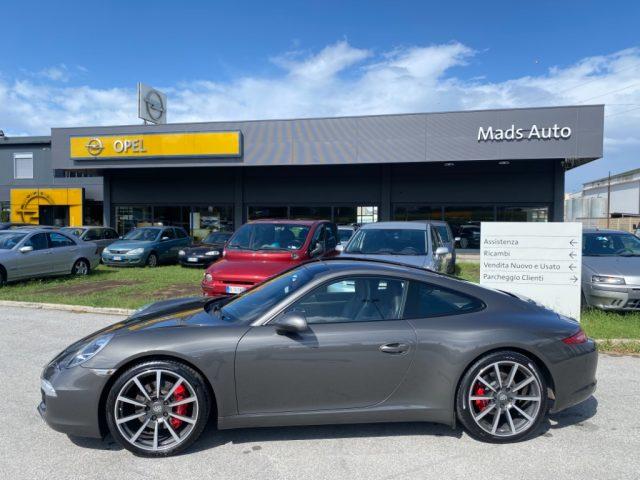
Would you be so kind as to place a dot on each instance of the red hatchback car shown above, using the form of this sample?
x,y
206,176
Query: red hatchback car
x,y
264,248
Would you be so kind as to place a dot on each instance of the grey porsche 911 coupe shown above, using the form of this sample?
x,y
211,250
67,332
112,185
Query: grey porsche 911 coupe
x,y
331,341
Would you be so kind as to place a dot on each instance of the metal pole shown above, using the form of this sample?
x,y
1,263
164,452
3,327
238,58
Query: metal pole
x,y
609,200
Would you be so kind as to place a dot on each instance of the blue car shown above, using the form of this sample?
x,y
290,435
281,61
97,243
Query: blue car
x,y
148,246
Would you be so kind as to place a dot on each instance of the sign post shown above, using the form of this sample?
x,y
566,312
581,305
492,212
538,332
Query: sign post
x,y
152,105
542,261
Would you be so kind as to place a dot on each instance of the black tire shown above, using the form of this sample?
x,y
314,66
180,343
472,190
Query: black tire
x,y
81,268
3,277
464,404
464,243
152,260
190,375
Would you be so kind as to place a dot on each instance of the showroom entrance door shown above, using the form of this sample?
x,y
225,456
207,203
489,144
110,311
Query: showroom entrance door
x,y
56,215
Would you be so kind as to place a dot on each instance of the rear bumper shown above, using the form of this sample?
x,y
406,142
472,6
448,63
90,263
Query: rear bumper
x,y
575,377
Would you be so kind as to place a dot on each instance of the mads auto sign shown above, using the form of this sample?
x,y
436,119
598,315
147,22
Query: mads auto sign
x,y
555,132
156,145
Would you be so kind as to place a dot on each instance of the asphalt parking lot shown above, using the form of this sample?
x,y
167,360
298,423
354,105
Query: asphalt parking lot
x,y
597,439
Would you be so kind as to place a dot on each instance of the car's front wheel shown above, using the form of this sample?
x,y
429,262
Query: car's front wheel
x,y
152,260
502,398
158,408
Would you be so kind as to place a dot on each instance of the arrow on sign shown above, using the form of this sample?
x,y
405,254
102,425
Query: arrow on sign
x,y
572,267
574,279
573,242
573,254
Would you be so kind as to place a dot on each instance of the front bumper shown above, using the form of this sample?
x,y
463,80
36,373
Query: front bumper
x,y
123,260
217,288
613,297
74,406
199,260
575,377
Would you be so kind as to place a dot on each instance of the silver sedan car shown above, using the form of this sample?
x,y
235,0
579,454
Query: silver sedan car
x,y
610,270
30,253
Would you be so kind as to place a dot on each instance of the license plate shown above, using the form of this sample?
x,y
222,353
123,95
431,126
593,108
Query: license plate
x,y
192,259
235,289
117,259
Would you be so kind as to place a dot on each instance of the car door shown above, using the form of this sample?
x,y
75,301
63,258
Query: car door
x,y
64,251
354,354
94,235
165,243
36,262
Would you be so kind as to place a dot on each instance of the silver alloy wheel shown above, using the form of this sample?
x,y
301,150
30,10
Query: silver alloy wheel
x,y
152,261
81,268
156,410
505,398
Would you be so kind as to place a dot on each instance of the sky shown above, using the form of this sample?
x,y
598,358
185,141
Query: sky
x,y
76,63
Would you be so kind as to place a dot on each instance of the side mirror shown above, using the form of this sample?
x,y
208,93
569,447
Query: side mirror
x,y
26,249
120,237
164,239
457,239
440,251
339,248
317,250
291,322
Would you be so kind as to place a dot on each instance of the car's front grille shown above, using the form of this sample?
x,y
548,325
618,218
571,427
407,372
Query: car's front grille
x,y
118,252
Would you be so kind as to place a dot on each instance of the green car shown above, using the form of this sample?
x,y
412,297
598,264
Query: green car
x,y
146,246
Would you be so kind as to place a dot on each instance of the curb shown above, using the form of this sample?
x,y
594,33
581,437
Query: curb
x,y
67,308
618,341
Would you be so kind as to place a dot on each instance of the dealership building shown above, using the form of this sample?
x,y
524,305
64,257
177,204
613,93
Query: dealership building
x,y
463,167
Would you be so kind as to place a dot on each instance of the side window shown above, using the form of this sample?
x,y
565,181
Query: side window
x,y
444,233
110,234
38,241
353,299
318,236
426,300
168,232
180,233
92,234
58,240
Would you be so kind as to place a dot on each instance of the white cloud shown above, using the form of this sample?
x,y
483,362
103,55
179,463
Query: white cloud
x,y
341,79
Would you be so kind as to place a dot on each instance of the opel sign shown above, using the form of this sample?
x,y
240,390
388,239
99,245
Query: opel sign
x,y
94,147
152,104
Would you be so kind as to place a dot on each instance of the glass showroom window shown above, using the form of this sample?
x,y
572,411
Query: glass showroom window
x,y
367,214
416,212
465,223
258,212
344,215
523,214
132,217
5,211
211,219
23,165
313,213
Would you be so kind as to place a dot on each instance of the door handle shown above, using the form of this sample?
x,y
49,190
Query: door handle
x,y
394,348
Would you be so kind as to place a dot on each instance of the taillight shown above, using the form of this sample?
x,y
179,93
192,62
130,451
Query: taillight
x,y
576,338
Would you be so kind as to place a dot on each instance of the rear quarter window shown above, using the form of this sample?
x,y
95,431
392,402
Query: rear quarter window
x,y
426,300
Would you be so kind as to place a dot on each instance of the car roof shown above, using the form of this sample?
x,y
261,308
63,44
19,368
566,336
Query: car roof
x,y
603,230
288,222
402,225
90,226
30,230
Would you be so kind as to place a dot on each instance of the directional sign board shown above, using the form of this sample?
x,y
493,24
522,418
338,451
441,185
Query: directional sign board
x,y
542,261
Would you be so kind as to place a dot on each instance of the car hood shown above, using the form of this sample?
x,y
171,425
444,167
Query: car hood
x,y
628,267
129,244
247,270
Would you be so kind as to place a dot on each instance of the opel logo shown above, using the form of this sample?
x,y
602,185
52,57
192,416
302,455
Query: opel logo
x,y
155,106
94,147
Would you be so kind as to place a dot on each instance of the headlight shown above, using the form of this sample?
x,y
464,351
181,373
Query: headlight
x,y
89,350
181,252
106,250
208,277
607,280
136,251
212,253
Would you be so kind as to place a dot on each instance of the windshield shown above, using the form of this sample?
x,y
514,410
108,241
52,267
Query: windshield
x,y
248,307
143,234
269,236
610,245
216,237
8,240
76,232
388,241
344,234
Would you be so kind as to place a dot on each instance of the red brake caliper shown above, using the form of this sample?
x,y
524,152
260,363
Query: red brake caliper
x,y
480,404
179,394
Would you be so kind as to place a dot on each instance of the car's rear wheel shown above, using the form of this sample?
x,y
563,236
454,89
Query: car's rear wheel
x,y
152,260
158,408
502,398
81,267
